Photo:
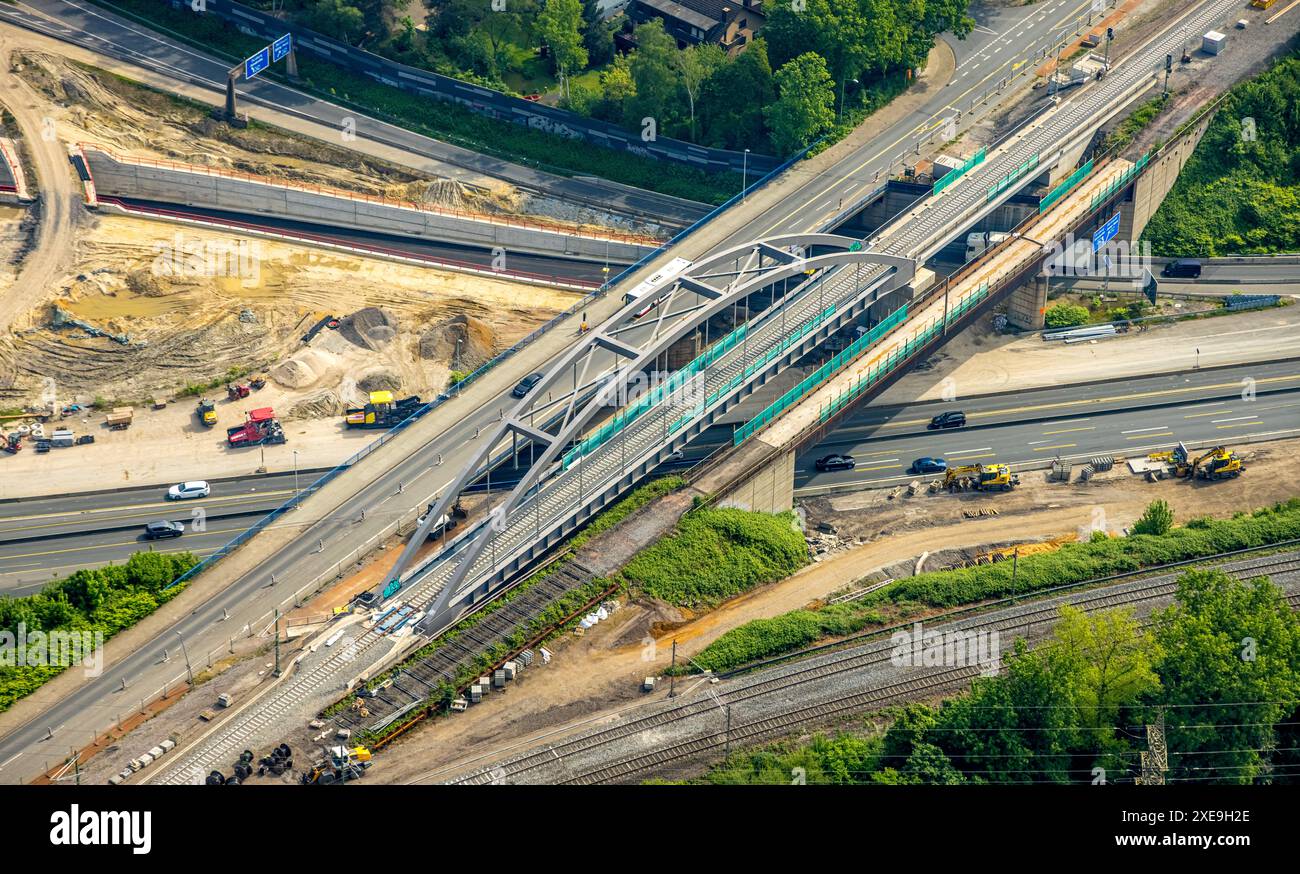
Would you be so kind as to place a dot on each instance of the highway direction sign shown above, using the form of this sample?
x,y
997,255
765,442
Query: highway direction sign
x,y
1105,233
281,47
257,63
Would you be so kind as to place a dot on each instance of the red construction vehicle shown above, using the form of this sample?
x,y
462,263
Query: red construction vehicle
x,y
236,391
261,427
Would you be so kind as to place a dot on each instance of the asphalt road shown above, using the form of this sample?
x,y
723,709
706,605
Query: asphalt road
x,y
1075,422
560,267
47,538
100,31
1003,35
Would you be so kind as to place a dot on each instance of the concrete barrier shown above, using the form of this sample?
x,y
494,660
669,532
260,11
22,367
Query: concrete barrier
x,y
13,183
209,188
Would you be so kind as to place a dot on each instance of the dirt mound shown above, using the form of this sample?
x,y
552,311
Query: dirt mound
x,y
381,380
478,342
317,405
302,370
144,282
370,328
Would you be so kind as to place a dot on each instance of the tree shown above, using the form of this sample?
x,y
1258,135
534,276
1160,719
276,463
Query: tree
x,y
803,110
1158,518
738,124
1108,659
337,18
1231,671
597,35
654,72
695,64
560,25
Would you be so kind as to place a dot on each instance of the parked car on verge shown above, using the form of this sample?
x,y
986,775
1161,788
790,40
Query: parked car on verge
x,y
526,384
163,528
836,462
928,465
950,419
195,489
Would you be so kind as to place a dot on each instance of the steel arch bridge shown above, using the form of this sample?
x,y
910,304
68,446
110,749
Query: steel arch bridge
x,y
795,290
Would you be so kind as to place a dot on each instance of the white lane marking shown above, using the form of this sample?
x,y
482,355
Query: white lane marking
x,y
1140,430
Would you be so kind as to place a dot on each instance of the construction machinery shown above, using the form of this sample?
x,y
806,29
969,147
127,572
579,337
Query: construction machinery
x,y
981,477
382,411
339,766
1213,464
207,412
261,427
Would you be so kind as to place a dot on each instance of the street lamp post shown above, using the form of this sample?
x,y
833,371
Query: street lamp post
x,y
188,670
297,497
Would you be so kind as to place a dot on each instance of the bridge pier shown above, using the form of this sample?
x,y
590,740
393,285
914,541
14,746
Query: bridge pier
x,y
1154,183
769,490
1027,305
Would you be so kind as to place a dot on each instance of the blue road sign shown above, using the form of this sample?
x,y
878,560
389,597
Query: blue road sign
x,y
1105,233
257,63
281,47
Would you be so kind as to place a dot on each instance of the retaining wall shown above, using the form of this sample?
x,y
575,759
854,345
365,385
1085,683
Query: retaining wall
x,y
208,188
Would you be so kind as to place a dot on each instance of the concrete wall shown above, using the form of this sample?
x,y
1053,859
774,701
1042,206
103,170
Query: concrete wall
x,y
1151,188
13,184
768,490
1027,304
115,178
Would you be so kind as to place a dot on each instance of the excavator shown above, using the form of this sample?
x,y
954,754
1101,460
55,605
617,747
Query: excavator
x,y
981,477
1214,464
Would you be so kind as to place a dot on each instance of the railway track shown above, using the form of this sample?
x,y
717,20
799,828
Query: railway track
x,y
870,655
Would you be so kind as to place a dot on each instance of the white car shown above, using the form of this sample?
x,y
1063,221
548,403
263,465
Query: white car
x,y
182,491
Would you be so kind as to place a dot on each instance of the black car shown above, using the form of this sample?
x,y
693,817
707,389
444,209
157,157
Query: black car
x,y
159,530
836,462
1183,268
951,419
526,384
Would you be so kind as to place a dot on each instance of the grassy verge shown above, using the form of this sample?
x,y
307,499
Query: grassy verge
x,y
1077,562
102,601
716,554
450,122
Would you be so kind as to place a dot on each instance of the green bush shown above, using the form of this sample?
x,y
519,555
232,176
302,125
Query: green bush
x,y
1065,315
1158,518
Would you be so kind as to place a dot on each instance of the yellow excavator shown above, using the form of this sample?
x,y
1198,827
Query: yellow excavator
x,y
981,477
1213,464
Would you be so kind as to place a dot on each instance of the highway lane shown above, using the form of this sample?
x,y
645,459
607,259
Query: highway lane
x,y
886,460
101,31
92,705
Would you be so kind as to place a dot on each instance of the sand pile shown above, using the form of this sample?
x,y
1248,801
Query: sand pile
x,y
370,328
478,342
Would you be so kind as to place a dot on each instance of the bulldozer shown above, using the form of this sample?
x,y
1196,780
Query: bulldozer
x,y
339,766
981,477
